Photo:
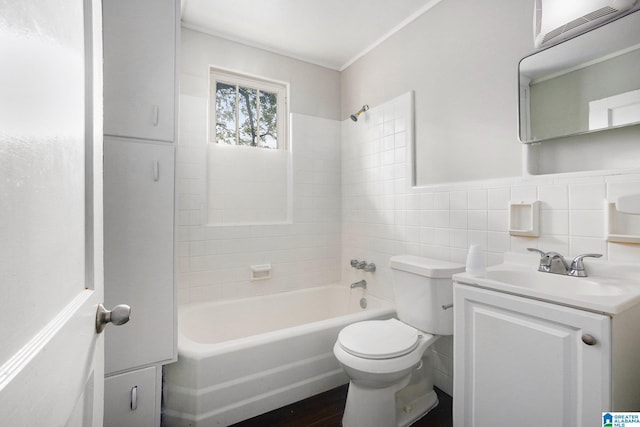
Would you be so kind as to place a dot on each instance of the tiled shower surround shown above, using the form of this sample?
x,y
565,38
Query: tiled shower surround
x,y
215,260
352,198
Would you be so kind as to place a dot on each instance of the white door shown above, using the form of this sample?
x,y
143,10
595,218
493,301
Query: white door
x,y
51,358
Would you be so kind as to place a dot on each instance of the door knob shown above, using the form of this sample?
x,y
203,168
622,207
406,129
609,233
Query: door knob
x,y
589,339
118,316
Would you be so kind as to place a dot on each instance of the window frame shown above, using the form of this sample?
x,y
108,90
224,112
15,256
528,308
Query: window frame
x,y
281,89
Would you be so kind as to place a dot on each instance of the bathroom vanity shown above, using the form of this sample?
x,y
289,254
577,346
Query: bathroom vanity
x,y
534,348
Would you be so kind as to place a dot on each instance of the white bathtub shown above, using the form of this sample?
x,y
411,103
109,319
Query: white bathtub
x,y
241,358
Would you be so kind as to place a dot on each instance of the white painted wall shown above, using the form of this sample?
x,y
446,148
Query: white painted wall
x,y
314,90
461,60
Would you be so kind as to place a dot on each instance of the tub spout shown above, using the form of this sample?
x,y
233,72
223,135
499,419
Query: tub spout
x,y
361,284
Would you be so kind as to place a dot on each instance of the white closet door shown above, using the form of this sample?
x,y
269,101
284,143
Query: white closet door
x,y
139,68
138,228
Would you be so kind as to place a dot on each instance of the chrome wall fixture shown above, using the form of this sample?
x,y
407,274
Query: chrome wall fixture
x,y
364,108
363,265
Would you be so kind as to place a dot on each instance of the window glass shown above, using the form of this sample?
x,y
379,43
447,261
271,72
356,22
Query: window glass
x,y
247,111
225,113
268,119
248,116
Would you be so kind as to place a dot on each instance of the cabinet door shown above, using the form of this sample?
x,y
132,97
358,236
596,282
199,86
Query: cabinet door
x,y
138,258
139,68
132,399
519,361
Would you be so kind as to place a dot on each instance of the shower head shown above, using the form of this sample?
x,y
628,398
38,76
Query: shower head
x,y
364,108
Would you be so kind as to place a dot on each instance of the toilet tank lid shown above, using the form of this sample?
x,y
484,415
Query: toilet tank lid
x,y
427,267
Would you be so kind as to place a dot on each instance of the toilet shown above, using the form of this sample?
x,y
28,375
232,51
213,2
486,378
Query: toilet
x,y
387,361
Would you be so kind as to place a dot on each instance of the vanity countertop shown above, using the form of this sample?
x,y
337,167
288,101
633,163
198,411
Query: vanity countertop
x,y
610,288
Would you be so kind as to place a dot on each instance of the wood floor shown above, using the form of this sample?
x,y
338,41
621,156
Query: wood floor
x,y
325,410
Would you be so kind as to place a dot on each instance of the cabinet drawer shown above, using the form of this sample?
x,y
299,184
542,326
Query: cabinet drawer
x,y
132,399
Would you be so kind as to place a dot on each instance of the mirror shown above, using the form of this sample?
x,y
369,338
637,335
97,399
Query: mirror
x,y
588,83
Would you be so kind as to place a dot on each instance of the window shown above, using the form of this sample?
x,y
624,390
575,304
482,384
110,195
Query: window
x,y
247,111
249,164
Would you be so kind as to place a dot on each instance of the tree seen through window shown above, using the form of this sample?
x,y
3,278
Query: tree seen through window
x,y
246,116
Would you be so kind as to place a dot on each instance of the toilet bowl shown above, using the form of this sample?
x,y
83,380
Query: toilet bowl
x,y
380,356
389,361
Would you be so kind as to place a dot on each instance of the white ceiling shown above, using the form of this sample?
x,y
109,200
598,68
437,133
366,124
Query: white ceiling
x,y
331,33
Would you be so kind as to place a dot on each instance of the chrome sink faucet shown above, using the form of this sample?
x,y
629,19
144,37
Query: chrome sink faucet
x,y
553,262
577,266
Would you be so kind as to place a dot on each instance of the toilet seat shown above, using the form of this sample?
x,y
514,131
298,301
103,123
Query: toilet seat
x,y
379,339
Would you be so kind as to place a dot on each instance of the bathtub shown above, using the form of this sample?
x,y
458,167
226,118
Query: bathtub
x,y
241,358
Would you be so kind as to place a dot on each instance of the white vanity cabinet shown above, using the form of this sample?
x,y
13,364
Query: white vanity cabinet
x,y
521,361
139,68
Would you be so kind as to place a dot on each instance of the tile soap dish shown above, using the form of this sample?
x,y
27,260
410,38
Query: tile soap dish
x,y
623,219
524,218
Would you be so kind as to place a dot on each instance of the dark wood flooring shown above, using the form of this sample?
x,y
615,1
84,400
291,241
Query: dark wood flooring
x,y
325,410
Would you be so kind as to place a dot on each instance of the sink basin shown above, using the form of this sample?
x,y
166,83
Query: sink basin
x,y
547,281
610,288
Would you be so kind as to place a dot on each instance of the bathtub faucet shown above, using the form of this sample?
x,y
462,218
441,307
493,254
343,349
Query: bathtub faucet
x,y
361,284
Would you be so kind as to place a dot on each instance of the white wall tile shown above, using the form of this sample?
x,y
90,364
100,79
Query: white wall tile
x,y
426,201
442,237
441,219
458,219
587,223
476,237
521,243
477,220
553,197
524,193
554,222
497,220
477,199
554,243
498,198
459,239
584,245
587,196
497,242
458,200
441,200
623,252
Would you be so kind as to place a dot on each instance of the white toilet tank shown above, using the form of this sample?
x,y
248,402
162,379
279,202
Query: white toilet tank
x,y
421,287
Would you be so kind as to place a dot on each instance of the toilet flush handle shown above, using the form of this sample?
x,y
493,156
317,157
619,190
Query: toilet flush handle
x,y
447,306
